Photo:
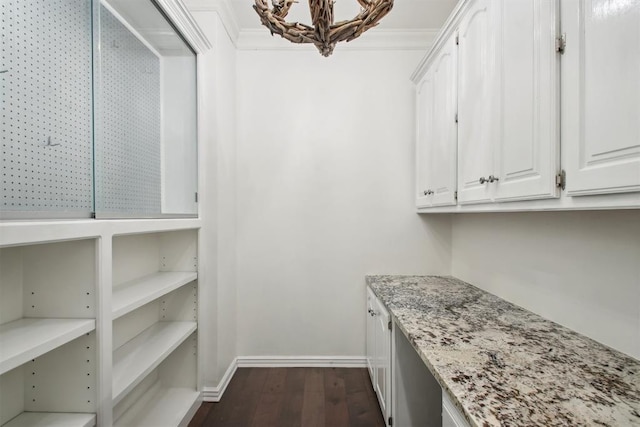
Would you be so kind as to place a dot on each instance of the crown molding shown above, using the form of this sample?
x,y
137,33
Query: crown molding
x,y
225,12
441,37
375,39
180,16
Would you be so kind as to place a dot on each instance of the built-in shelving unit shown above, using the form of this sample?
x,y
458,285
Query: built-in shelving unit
x,y
141,355
47,339
154,309
135,283
138,292
26,339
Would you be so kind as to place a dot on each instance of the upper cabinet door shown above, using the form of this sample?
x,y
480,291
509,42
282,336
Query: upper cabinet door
x,y
443,152
527,153
478,105
601,96
424,137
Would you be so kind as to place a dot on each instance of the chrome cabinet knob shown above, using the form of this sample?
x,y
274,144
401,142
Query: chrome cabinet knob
x,y
493,178
483,180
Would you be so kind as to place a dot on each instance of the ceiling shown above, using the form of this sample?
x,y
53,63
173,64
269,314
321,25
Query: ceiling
x,y
406,14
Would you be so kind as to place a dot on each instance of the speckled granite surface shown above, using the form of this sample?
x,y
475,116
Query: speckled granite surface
x,y
503,365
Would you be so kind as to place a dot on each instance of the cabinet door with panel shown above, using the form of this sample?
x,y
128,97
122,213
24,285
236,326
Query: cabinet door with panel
x,y
600,80
443,146
478,105
382,364
527,152
437,134
424,139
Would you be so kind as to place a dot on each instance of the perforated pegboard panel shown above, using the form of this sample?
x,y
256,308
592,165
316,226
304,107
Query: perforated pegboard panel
x,y
128,144
46,118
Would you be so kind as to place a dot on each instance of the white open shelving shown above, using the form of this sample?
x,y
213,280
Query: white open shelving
x,y
161,406
56,301
26,339
141,355
52,419
135,293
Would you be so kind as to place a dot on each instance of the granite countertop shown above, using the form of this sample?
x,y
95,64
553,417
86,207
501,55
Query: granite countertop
x,y
504,365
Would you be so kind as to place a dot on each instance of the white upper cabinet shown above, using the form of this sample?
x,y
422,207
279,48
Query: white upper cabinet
x,y
547,96
527,151
477,101
508,104
424,138
437,131
601,96
443,151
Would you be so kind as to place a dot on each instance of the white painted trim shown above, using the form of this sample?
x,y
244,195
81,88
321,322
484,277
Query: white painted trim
x,y
225,12
441,37
301,361
179,14
375,39
214,394
564,203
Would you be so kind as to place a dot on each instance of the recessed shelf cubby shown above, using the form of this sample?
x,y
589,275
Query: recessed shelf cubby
x,y
47,334
154,309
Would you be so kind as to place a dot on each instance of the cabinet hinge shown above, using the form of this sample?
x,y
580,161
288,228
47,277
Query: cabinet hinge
x,y
455,195
196,197
456,118
389,325
93,215
561,43
561,179
390,421
457,40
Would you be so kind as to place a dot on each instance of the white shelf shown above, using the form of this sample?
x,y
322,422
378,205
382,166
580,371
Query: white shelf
x,y
161,407
26,339
141,355
51,419
29,232
136,293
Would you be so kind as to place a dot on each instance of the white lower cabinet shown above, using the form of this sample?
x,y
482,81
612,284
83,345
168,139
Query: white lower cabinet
x,y
408,393
379,352
451,416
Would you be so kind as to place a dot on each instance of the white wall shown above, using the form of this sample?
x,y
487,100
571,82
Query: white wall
x,y
324,196
217,200
580,269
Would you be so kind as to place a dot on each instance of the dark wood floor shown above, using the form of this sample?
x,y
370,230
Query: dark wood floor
x,y
288,397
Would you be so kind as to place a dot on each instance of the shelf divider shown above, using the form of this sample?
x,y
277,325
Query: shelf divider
x,y
27,338
138,357
136,293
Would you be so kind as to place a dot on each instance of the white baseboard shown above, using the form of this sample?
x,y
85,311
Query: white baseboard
x,y
301,362
214,394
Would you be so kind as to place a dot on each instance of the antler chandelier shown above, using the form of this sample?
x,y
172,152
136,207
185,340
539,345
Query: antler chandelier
x,y
324,33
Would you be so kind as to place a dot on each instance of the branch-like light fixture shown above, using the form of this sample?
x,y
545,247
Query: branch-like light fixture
x,y
324,33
